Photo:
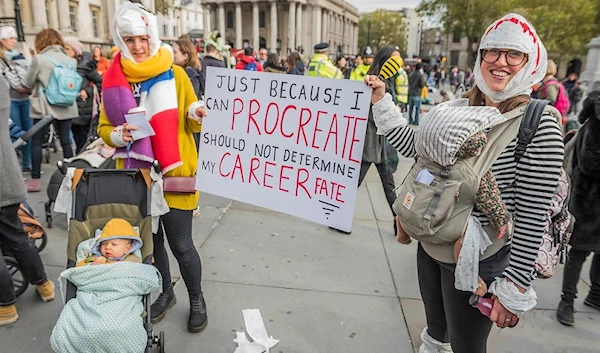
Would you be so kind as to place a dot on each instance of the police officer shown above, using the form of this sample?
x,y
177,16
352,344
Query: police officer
x,y
320,66
359,73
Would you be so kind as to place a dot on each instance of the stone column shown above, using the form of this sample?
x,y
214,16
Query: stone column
x,y
206,20
324,26
238,25
52,14
355,41
39,15
316,24
221,14
292,26
255,27
591,75
299,33
64,21
26,15
273,48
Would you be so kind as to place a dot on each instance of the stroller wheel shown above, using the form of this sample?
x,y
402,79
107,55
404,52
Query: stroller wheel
x,y
47,207
47,155
161,341
40,243
19,280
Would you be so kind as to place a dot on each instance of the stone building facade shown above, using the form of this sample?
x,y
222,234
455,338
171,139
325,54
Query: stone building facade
x,y
91,20
284,26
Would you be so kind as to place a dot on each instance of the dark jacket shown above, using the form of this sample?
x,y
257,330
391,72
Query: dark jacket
x,y
198,80
298,69
416,82
585,179
274,69
86,68
211,61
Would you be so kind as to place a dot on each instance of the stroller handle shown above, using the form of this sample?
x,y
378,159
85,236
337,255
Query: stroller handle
x,y
37,127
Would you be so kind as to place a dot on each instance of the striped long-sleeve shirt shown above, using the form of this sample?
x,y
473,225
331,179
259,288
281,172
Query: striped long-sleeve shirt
x,y
527,187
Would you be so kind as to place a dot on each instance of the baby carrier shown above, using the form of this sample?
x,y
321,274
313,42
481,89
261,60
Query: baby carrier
x,y
437,196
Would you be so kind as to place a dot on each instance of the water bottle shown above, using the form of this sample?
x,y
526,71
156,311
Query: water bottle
x,y
483,304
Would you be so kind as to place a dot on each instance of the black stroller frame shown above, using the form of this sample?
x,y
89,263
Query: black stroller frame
x,y
126,188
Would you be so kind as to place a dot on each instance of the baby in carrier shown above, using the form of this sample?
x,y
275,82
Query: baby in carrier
x,y
117,242
487,200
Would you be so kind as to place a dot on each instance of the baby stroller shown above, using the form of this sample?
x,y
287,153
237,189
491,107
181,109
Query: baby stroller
x,y
31,226
88,157
100,195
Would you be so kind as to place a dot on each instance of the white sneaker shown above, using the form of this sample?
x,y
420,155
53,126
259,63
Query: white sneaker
x,y
431,345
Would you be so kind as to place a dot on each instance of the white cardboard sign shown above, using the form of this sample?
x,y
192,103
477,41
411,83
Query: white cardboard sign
x,y
288,143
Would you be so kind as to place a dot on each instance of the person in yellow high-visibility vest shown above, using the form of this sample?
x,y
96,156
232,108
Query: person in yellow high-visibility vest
x,y
359,73
321,66
402,89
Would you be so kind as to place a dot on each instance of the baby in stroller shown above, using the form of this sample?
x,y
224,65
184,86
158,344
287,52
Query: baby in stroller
x,y
107,305
116,242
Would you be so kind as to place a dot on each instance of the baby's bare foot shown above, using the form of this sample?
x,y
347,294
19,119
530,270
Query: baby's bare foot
x,y
482,289
502,230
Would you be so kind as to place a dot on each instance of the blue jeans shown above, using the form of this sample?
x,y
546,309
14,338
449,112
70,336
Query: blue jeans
x,y
414,102
19,114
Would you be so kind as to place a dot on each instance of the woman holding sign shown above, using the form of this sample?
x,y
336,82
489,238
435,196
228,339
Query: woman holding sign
x,y
511,59
142,81
377,150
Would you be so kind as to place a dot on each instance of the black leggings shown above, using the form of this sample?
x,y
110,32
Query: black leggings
x,y
63,130
387,181
572,272
177,225
450,317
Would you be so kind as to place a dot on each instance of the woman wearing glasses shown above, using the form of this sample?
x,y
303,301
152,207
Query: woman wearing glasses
x,y
510,61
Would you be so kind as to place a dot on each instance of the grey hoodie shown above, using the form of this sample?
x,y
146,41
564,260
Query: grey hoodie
x,y
12,188
38,77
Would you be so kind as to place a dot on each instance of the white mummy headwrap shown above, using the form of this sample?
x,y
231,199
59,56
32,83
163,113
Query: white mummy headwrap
x,y
131,19
514,32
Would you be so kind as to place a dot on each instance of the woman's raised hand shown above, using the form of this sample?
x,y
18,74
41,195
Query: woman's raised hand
x,y
378,87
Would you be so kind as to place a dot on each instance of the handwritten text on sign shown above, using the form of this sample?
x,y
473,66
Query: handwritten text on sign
x,y
288,143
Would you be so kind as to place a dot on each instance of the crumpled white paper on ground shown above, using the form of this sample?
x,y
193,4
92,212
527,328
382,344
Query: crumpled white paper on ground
x,y
257,332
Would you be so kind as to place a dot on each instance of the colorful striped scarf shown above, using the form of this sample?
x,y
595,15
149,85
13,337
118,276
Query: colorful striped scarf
x,y
159,100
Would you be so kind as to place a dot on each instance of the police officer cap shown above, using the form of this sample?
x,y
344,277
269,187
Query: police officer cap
x,y
322,46
367,52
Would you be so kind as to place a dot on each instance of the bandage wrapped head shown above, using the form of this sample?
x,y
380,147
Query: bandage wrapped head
x,y
133,20
513,32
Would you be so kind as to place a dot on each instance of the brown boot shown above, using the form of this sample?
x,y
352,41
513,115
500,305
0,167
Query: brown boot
x,y
34,185
8,314
46,291
401,235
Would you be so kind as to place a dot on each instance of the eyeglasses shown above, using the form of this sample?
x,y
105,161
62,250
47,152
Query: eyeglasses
x,y
513,57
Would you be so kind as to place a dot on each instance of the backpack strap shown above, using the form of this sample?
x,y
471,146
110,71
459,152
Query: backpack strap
x,y
529,125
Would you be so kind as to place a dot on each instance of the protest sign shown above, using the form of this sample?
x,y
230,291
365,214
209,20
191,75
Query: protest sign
x,y
289,143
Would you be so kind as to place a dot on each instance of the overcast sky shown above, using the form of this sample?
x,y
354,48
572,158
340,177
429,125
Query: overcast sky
x,y
370,5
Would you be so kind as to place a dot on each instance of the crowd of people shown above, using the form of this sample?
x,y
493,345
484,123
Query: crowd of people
x,y
509,65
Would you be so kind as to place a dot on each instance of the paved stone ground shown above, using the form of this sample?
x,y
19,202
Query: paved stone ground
x,y
318,290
